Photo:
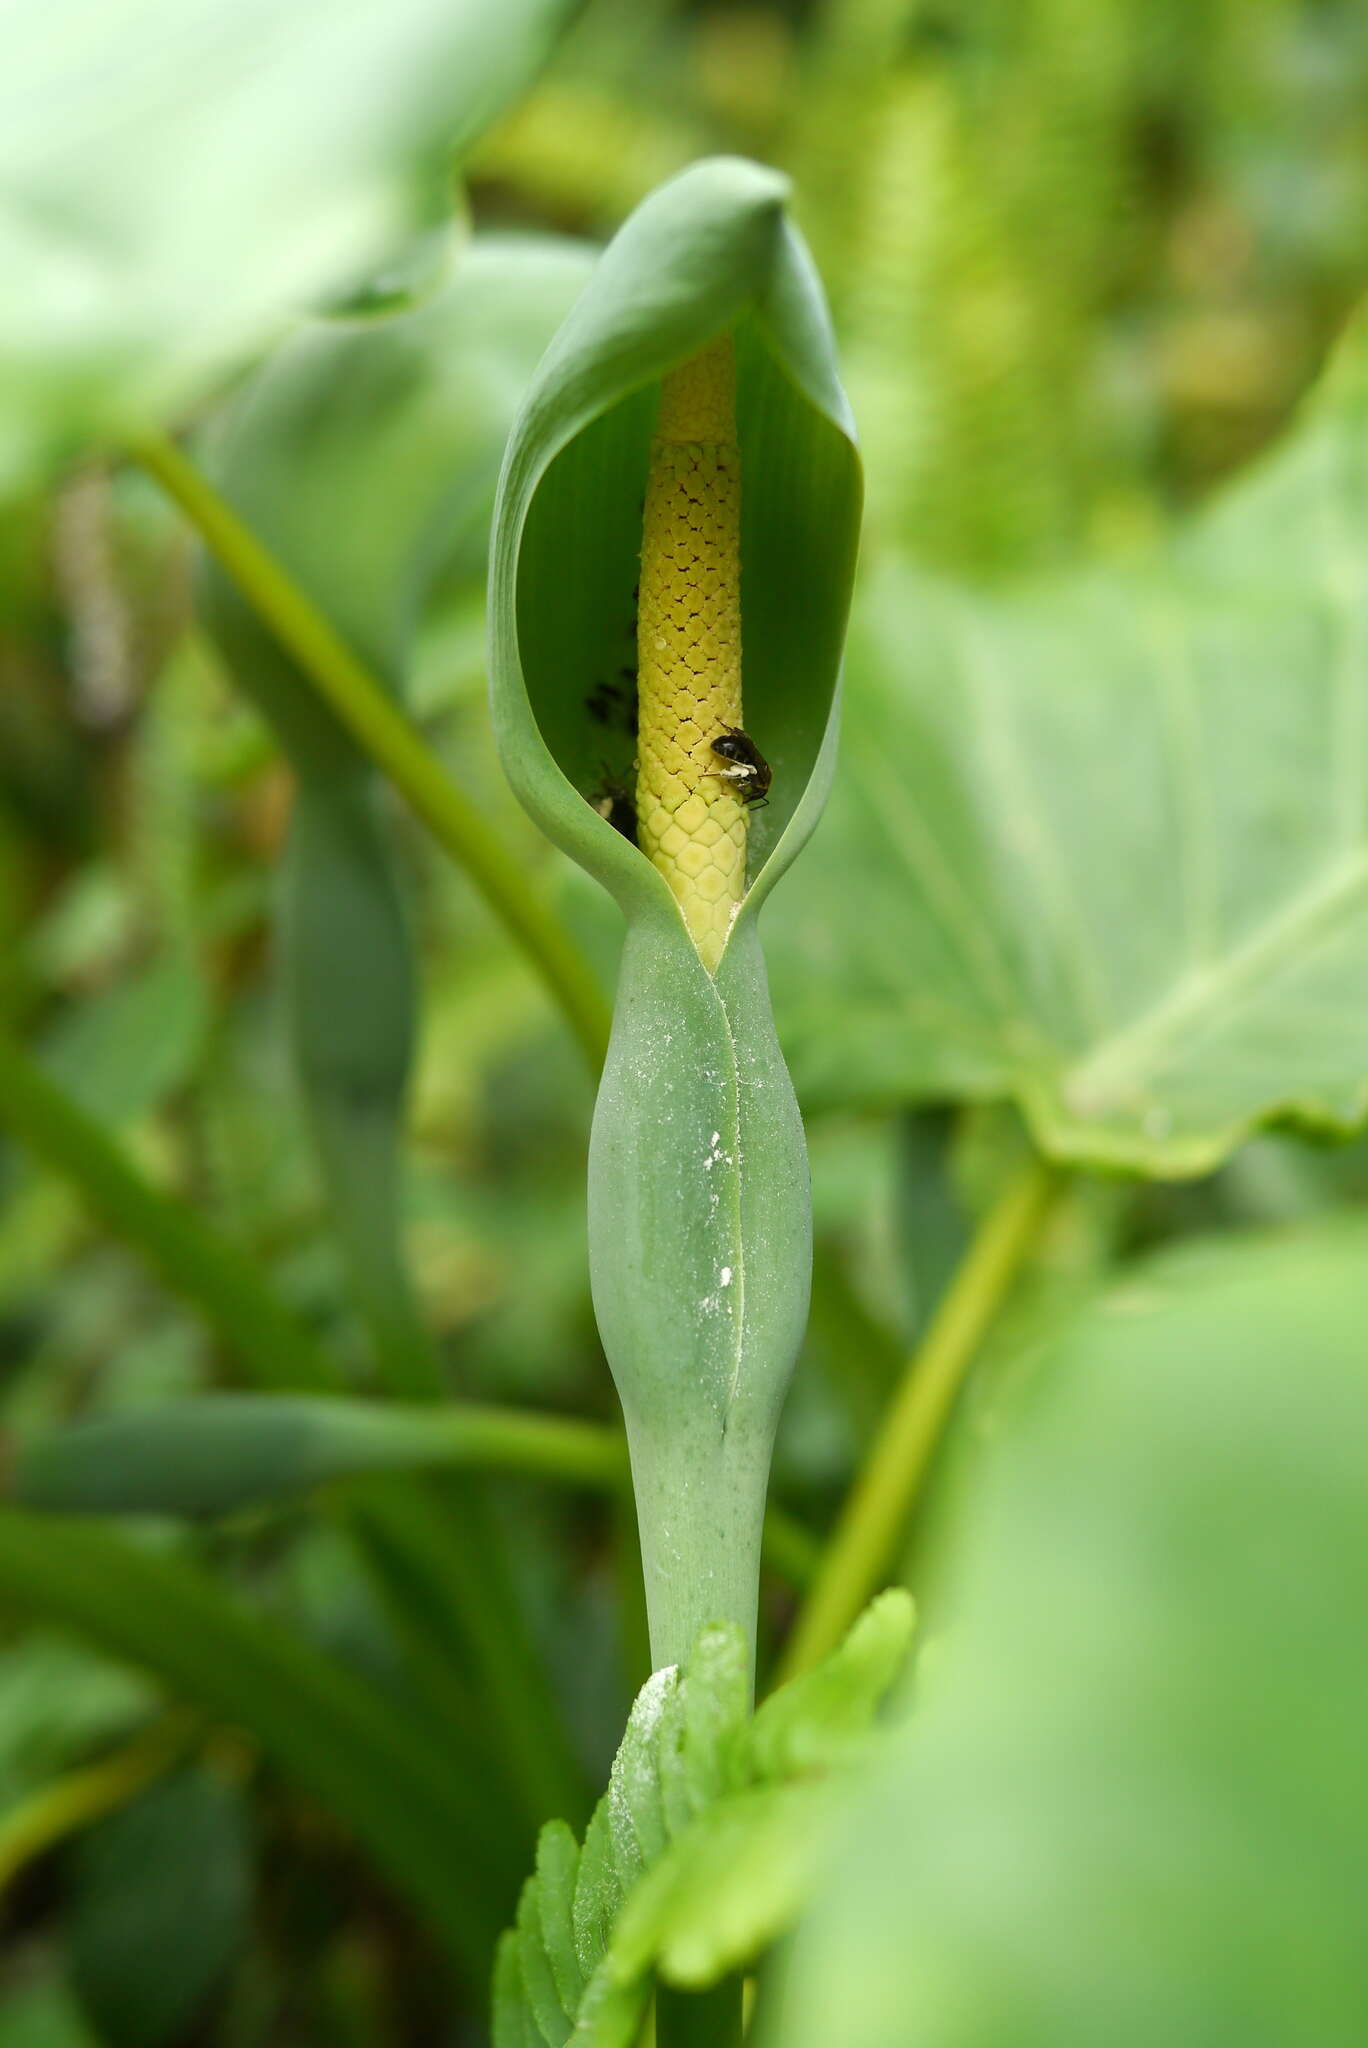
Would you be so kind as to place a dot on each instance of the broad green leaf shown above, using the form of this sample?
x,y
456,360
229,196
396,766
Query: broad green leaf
x,y
1131,1806
1106,837
176,177
160,1908
698,1206
705,1846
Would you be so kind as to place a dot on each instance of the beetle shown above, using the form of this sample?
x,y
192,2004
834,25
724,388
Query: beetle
x,y
747,771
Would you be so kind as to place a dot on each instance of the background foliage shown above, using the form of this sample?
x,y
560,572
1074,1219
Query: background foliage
x,y
1091,881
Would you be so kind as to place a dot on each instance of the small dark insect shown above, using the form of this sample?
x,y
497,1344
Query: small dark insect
x,y
615,704
613,801
749,772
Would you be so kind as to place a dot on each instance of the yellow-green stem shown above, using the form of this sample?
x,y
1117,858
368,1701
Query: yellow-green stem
x,y
886,1490
388,738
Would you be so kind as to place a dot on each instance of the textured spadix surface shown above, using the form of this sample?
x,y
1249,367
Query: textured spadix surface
x,y
690,822
698,1199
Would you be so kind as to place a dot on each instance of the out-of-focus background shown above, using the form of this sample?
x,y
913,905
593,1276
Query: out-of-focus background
x,y
1084,258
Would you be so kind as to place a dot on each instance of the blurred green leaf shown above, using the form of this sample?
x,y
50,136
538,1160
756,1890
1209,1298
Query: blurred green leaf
x,y
125,1050
44,2015
1132,1806
401,417
57,1703
380,1773
176,177
160,1908
705,1844
1107,836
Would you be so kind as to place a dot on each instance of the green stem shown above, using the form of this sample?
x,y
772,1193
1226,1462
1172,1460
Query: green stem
x,y
219,1453
701,1539
386,735
79,1798
885,1491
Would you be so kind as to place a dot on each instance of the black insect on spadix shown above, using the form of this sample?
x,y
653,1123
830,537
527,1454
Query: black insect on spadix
x,y
747,771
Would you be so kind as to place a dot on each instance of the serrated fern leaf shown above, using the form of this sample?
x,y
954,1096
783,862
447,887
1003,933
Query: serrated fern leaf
x,y
702,1850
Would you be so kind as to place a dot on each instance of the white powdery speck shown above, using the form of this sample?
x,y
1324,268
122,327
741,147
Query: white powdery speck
x,y
650,1701
725,1276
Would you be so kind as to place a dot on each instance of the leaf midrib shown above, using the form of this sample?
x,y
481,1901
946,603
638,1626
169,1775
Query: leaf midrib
x,y
1116,1066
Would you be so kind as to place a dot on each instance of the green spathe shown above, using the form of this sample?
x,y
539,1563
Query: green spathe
x,y
699,1218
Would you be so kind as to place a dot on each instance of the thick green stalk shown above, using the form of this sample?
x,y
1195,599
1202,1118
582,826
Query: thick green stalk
x,y
886,1489
699,1249
389,740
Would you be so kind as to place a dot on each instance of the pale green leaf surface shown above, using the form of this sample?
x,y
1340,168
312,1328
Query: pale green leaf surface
x,y
177,176
1101,845
1131,1807
705,1844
